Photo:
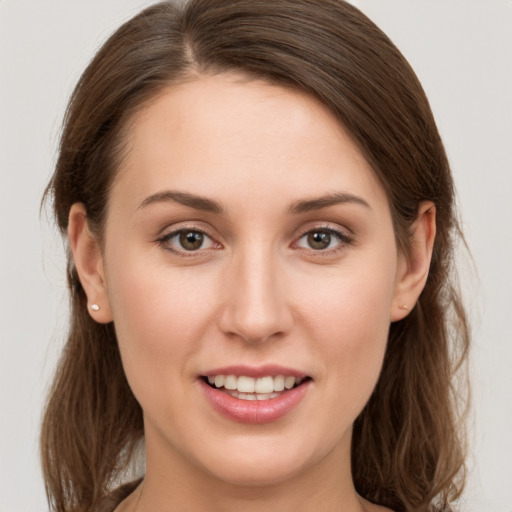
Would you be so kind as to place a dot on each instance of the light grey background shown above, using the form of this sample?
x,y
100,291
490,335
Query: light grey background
x,y
462,53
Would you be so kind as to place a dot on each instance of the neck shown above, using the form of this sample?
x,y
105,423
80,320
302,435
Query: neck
x,y
173,483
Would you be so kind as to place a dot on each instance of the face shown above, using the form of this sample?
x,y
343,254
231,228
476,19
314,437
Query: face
x,y
248,248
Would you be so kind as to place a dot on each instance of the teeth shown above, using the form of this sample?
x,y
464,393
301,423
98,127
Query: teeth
x,y
253,396
254,388
245,384
230,382
264,385
289,382
279,383
247,396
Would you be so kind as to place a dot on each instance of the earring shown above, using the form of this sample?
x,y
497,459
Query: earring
x,y
403,306
94,307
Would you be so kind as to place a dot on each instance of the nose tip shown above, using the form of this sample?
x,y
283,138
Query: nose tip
x,y
256,325
256,308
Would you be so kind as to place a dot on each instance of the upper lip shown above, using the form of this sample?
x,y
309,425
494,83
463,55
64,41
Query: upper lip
x,y
256,371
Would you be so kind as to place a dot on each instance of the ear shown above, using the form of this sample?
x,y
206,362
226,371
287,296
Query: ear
x,y
412,271
89,264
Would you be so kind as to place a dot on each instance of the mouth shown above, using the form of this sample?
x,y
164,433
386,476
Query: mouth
x,y
248,388
255,395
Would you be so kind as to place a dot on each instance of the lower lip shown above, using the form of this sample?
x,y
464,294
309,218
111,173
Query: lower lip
x,y
254,411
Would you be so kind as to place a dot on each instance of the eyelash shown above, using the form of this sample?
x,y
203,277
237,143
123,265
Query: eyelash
x,y
343,240
165,242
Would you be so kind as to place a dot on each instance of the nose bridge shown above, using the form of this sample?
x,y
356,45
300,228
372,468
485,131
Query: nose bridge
x,y
256,306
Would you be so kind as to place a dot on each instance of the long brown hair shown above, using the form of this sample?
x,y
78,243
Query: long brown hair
x,y
408,448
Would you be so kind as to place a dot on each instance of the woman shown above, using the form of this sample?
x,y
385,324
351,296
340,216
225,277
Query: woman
x,y
260,217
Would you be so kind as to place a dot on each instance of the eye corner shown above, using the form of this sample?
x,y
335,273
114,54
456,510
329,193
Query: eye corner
x,y
323,240
188,242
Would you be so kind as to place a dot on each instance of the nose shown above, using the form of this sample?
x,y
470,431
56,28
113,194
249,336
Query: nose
x,y
256,306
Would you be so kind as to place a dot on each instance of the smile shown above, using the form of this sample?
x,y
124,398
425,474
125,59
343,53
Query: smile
x,y
250,388
254,395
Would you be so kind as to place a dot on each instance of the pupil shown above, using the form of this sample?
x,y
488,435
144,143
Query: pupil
x,y
319,240
191,240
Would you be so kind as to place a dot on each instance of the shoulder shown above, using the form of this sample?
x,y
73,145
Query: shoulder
x,y
373,507
112,501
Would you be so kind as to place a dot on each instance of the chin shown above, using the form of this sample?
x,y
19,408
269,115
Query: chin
x,y
261,463
251,473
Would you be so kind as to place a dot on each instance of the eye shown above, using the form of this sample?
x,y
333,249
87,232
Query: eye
x,y
187,240
322,239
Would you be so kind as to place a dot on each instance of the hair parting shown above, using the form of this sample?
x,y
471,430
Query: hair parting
x,y
408,443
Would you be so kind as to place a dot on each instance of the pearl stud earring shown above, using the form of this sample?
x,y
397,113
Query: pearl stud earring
x,y
95,307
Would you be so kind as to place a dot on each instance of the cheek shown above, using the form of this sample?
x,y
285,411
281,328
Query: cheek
x,y
148,297
350,319
160,318
354,302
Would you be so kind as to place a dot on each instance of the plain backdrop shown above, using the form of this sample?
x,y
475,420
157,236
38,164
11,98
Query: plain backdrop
x,y
462,53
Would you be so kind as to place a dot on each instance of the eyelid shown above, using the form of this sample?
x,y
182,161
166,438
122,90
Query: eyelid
x,y
344,236
167,234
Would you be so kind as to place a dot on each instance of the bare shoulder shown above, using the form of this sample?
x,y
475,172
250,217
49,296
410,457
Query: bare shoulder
x,y
123,499
128,504
372,507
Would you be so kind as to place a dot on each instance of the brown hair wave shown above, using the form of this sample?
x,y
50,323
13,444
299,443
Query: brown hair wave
x,y
408,443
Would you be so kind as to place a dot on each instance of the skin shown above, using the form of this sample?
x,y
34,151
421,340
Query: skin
x,y
256,292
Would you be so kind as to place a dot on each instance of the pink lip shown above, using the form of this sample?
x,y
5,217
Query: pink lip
x,y
254,411
256,371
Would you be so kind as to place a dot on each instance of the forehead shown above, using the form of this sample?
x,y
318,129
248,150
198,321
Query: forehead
x,y
224,133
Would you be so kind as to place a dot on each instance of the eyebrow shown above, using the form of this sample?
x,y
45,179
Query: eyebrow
x,y
184,198
208,205
318,203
